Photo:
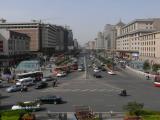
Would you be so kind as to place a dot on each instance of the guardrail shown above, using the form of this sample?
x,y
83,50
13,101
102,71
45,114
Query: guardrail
x,y
72,115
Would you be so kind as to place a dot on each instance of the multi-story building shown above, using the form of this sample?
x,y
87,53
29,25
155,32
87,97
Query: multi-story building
x,y
75,44
49,38
107,36
150,47
43,36
100,41
128,43
12,44
60,38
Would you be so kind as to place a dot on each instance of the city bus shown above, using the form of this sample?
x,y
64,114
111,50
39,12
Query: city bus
x,y
157,81
37,75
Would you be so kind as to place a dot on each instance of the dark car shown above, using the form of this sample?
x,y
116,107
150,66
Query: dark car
x,y
41,85
103,69
97,75
50,100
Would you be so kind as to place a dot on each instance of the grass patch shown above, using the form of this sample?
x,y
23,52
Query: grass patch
x,y
12,114
151,117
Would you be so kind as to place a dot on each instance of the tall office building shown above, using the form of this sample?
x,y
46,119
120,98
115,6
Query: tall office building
x,y
100,41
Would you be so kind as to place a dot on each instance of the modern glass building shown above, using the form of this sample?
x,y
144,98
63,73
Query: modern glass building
x,y
27,66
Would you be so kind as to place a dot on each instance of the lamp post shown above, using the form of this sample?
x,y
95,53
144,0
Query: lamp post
x,y
113,59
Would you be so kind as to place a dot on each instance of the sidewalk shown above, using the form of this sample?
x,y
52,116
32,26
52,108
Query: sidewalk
x,y
143,74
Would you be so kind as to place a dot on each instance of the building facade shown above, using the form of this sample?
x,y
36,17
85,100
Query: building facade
x,y
100,41
12,44
128,41
150,49
49,38
43,36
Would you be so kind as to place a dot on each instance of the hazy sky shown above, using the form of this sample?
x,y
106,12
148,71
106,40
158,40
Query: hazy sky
x,y
85,17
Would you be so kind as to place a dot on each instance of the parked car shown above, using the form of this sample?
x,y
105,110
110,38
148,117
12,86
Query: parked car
x,y
49,78
50,100
61,74
28,105
14,88
111,73
41,85
97,75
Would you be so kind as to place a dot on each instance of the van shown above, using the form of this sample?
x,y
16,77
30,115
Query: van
x,y
25,81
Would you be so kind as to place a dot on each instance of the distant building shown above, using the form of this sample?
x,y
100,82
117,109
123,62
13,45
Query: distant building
x,y
60,38
100,41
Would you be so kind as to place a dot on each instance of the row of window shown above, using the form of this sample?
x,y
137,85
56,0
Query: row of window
x,y
148,37
148,48
148,54
129,28
148,43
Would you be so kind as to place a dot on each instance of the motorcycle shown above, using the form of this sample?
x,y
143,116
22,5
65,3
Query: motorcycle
x,y
123,93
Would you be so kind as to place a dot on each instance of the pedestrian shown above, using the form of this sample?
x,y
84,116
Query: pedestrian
x,y
54,83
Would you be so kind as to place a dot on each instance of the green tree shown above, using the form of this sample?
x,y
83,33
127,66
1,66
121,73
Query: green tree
x,y
155,67
146,66
133,108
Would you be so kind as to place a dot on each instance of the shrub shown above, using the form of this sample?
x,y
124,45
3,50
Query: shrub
x,y
134,108
146,66
155,67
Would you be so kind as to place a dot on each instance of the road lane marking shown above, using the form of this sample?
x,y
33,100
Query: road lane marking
x,y
79,90
93,90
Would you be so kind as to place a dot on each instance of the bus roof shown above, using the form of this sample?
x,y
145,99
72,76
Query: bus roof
x,y
23,79
30,73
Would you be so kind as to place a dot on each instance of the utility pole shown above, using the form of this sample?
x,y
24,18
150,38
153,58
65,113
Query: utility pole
x,y
113,59
85,66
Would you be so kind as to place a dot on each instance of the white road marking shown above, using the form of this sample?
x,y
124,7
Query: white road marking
x,y
79,90
93,90
85,90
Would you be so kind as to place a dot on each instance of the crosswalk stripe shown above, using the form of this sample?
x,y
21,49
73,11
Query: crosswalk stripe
x,y
79,90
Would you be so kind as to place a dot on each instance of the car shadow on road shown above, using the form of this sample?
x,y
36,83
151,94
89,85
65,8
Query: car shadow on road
x,y
5,107
4,97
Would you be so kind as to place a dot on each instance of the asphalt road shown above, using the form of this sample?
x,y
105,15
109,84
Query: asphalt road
x,y
101,94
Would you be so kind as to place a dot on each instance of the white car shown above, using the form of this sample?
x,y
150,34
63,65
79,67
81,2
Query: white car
x,y
111,73
61,74
26,106
96,70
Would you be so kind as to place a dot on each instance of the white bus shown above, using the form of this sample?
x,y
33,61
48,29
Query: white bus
x,y
25,81
37,75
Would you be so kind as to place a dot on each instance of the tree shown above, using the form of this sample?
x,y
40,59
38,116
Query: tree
x,y
155,67
134,108
146,66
